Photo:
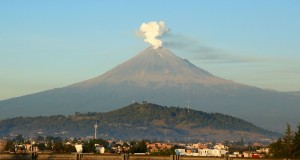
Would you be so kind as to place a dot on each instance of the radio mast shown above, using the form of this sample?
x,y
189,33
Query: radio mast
x,y
96,126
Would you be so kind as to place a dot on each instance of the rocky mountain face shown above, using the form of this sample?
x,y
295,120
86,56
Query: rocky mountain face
x,y
158,76
141,121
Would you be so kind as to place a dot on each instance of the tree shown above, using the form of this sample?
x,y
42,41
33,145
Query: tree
x,y
9,146
169,151
69,148
242,141
75,140
276,149
19,138
125,144
89,147
101,142
41,146
296,143
139,147
288,142
58,147
39,138
287,147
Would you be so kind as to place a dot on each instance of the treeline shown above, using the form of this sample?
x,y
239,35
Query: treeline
x,y
288,146
67,145
55,144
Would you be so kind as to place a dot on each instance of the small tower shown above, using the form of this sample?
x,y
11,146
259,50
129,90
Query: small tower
x,y
96,126
166,136
188,107
133,101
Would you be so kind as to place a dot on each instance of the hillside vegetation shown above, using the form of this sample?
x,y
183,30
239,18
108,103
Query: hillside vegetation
x,y
140,121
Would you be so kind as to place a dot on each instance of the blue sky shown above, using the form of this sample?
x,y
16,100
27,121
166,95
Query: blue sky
x,y
51,44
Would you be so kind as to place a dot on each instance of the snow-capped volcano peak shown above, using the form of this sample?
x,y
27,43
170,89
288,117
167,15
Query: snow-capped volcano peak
x,y
156,65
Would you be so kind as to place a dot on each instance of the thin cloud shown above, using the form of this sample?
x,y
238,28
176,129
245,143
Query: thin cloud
x,y
203,52
221,57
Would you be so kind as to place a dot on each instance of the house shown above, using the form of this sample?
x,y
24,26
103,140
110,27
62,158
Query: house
x,y
156,147
2,145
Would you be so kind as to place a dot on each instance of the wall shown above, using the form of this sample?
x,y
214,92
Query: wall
x,y
75,156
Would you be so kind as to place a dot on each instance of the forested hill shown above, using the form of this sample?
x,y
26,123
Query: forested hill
x,y
140,121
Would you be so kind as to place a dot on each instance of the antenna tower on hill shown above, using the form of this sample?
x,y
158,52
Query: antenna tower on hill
x,y
96,126
188,107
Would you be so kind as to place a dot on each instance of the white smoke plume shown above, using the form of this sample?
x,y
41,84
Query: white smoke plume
x,y
152,31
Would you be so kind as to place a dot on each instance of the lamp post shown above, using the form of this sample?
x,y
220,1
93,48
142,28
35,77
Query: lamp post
x,y
249,151
33,151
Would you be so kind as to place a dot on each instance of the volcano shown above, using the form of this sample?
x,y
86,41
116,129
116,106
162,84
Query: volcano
x,y
158,66
159,76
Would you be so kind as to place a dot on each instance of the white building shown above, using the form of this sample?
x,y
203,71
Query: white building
x,y
263,150
211,152
78,148
221,146
99,149
217,151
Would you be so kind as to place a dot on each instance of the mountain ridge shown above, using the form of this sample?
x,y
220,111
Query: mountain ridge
x,y
140,120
